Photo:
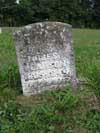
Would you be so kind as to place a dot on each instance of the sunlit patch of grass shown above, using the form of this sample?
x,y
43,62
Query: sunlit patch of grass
x,y
87,50
7,49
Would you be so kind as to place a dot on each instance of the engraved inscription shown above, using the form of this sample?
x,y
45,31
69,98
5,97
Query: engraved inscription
x,y
45,56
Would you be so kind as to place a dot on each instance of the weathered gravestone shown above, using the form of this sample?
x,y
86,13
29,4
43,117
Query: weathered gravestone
x,y
0,30
45,56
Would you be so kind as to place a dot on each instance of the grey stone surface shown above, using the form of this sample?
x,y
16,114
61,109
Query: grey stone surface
x,y
45,56
0,30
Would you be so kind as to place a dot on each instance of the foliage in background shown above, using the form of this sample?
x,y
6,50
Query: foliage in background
x,y
79,13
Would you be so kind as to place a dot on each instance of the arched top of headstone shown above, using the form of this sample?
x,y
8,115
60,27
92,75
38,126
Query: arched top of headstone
x,y
42,25
45,56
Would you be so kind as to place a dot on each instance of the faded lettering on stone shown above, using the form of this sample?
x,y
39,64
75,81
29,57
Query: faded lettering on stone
x,y
45,56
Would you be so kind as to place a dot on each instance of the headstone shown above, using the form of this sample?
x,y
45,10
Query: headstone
x,y
45,56
0,30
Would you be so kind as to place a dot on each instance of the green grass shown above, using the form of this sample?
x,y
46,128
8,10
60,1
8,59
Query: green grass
x,y
87,50
54,112
65,111
9,74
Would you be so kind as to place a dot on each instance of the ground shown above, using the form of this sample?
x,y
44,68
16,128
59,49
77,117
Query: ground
x,y
66,111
